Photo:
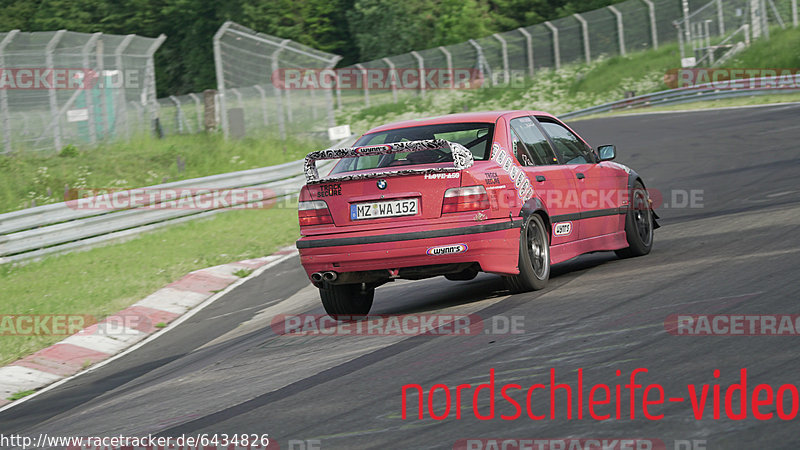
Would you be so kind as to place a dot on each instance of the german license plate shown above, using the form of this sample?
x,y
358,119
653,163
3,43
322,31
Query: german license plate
x,y
390,208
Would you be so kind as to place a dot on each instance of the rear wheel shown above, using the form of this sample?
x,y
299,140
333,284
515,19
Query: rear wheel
x,y
346,299
534,257
638,224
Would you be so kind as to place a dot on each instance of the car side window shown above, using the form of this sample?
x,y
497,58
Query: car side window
x,y
519,150
532,140
569,146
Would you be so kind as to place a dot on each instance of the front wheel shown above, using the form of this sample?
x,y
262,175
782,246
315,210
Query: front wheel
x,y
346,299
638,224
534,257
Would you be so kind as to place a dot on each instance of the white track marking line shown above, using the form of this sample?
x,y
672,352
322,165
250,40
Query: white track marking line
x,y
156,335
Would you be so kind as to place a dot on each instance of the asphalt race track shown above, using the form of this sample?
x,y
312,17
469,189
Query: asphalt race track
x,y
735,250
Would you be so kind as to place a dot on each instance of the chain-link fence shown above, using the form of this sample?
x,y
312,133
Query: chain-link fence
x,y
59,88
630,26
718,29
248,64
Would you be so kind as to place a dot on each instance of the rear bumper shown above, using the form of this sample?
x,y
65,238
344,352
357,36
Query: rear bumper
x,y
492,244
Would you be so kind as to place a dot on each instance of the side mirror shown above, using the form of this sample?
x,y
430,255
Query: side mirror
x,y
607,152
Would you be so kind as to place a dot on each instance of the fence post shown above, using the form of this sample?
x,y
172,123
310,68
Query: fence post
x,y
764,18
528,48
680,41
4,95
263,95
329,95
448,58
585,29
364,83
276,91
504,52
99,60
221,77
393,76
686,25
421,65
122,107
178,113
150,80
620,29
794,13
651,10
199,108
51,93
556,50
90,117
720,18
480,60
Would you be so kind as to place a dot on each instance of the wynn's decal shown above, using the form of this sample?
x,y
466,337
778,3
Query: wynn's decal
x,y
491,178
562,229
462,158
447,249
521,182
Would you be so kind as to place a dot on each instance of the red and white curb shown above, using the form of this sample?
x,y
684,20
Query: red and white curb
x,y
128,329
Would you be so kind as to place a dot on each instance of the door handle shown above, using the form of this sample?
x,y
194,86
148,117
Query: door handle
x,y
580,176
540,178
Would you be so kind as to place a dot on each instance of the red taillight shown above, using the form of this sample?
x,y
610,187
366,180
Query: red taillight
x,y
314,213
462,199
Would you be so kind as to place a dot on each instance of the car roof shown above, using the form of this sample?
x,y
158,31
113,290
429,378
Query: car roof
x,y
482,116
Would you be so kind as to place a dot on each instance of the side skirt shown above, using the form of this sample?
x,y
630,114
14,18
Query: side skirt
x,y
563,252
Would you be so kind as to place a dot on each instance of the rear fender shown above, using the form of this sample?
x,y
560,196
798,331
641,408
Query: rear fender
x,y
535,206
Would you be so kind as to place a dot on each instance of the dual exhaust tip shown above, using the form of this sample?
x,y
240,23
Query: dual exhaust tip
x,y
324,276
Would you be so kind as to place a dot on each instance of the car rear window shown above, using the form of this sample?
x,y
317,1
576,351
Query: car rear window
x,y
474,136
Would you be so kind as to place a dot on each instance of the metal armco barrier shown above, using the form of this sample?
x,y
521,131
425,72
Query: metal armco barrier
x,y
701,92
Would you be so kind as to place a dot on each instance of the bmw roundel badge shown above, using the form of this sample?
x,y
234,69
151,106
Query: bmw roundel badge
x,y
382,184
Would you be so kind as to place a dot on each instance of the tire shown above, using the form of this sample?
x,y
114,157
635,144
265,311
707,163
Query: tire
x,y
346,299
638,224
534,257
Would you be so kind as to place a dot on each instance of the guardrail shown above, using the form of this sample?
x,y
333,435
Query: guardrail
x,y
706,91
61,227
56,228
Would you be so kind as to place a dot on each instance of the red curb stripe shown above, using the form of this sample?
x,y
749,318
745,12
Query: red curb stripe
x,y
61,359
142,318
201,282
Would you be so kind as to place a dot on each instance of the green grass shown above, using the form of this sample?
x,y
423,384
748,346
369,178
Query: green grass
x,y
243,273
779,52
27,177
104,280
18,395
